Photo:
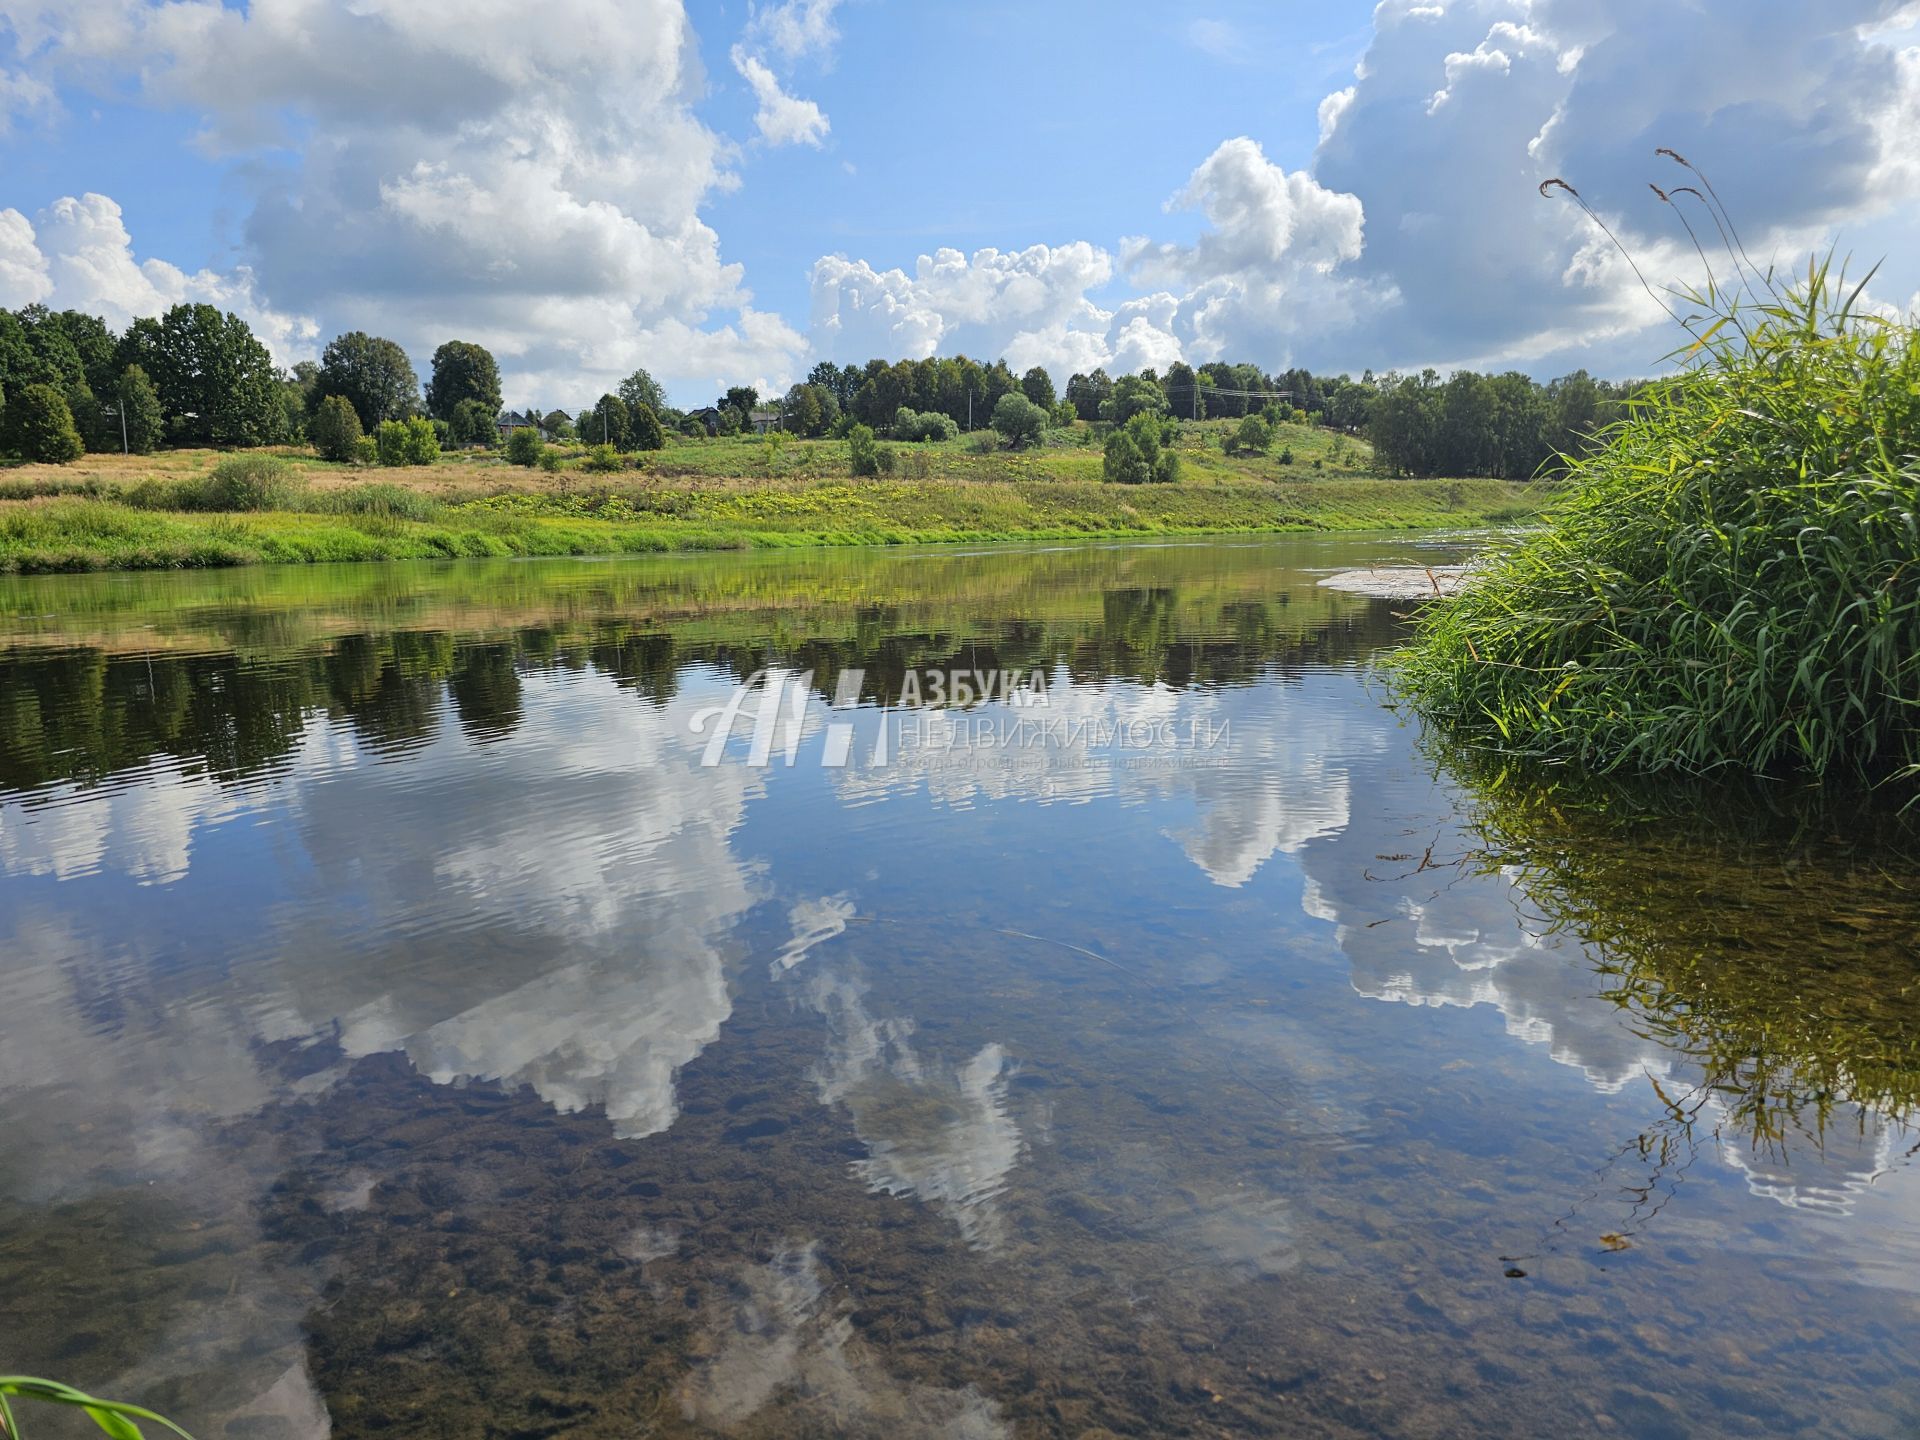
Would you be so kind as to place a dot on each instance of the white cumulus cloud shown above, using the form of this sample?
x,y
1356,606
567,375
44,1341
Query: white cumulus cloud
x,y
79,256
458,172
782,119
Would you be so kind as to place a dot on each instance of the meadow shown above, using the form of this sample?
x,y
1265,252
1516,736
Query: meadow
x,y
195,508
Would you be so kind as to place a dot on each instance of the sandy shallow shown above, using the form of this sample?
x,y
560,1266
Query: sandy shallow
x,y
1400,582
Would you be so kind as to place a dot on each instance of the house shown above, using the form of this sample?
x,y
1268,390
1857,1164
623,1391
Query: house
x,y
708,417
513,420
764,418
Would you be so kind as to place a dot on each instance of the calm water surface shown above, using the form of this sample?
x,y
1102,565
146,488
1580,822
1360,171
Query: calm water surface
x,y
403,1032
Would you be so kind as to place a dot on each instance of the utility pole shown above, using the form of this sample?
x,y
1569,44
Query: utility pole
x,y
969,411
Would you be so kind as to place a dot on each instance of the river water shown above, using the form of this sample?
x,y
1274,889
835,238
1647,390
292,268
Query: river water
x,y
655,997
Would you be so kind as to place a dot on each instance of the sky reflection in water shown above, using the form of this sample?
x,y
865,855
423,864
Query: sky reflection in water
x,y
403,1030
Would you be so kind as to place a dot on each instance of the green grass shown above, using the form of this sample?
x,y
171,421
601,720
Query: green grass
x,y
1732,583
384,522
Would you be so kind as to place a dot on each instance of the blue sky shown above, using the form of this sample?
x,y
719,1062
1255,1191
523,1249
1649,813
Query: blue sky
x,y
725,192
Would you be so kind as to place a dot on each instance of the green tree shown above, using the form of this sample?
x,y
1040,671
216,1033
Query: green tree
x,y
810,409
640,388
1182,389
647,433
40,426
608,423
462,372
524,446
334,429
558,424
57,359
1019,421
217,383
1037,386
862,453
473,423
1134,395
1405,423
742,398
93,345
1088,393
140,412
373,374
90,418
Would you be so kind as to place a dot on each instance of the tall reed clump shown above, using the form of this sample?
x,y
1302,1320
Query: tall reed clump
x,y
1733,580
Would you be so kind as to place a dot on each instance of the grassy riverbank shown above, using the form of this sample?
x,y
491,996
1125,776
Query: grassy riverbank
x,y
113,512
1728,584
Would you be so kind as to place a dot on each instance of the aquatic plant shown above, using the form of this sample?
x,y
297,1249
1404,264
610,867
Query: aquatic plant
x,y
1733,580
115,1417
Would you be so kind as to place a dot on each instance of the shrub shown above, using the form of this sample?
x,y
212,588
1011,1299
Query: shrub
x,y
861,451
524,446
365,451
1286,454
407,442
923,425
1141,451
1018,420
885,459
1252,436
1064,415
550,461
40,426
244,482
1728,582
335,429
603,459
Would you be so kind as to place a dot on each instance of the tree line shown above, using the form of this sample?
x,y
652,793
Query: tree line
x,y
198,376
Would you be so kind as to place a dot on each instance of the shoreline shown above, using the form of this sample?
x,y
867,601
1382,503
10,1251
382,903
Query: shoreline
x,y
78,535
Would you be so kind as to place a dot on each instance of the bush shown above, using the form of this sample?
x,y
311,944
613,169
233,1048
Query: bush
x,y
407,442
550,461
1140,452
365,451
244,482
524,446
1286,454
602,459
335,429
1018,420
1728,582
1252,436
885,459
923,425
39,425
862,454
